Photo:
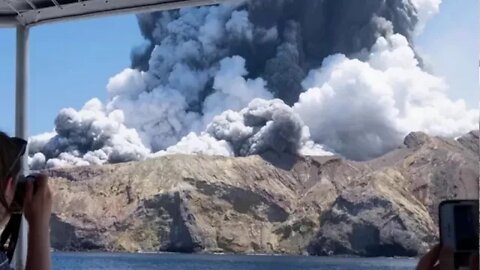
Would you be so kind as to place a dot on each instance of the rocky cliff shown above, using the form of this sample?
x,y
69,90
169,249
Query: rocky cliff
x,y
266,204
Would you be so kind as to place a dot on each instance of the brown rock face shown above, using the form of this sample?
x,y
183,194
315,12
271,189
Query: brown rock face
x,y
416,140
471,141
378,216
265,204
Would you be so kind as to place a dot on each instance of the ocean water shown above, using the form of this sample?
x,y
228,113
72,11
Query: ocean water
x,y
120,261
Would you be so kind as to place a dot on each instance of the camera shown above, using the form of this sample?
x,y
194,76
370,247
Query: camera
x,y
20,189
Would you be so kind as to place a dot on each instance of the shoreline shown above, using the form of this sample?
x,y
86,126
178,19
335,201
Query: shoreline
x,y
229,254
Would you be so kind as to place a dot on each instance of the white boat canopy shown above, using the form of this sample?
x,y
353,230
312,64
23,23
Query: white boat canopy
x,y
33,12
24,14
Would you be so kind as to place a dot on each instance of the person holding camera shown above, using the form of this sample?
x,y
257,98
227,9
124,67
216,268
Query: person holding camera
x,y
36,205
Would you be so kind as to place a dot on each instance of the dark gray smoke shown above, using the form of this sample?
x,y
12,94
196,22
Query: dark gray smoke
x,y
288,37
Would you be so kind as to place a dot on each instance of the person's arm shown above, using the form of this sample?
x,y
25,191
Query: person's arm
x,y
37,209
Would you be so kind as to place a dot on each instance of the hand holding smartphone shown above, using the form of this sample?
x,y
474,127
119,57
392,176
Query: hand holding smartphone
x,y
459,228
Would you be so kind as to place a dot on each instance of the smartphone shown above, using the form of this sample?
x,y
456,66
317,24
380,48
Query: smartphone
x,y
459,229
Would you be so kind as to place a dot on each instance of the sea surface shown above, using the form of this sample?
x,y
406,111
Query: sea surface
x,y
125,261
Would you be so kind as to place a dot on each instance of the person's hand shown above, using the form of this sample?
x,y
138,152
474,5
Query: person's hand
x,y
38,203
37,208
439,258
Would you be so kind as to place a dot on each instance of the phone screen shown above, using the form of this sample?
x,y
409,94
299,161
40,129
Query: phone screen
x,y
466,227
459,228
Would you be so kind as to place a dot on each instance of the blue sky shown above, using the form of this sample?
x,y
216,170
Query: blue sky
x,y
450,48
71,63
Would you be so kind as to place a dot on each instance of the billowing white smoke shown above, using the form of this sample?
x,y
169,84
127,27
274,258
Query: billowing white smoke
x,y
84,137
95,135
264,125
166,102
203,144
197,96
161,115
363,109
359,109
231,90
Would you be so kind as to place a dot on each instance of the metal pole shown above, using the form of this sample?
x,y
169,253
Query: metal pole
x,y
21,130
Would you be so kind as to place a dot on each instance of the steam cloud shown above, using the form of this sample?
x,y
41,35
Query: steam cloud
x,y
298,76
264,125
367,107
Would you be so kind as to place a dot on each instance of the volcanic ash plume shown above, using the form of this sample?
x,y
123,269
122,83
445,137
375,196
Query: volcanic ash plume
x,y
264,125
170,89
88,136
299,76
